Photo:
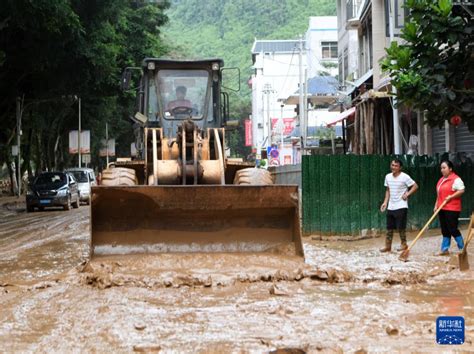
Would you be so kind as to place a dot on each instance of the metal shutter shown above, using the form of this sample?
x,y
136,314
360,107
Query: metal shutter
x,y
464,139
438,140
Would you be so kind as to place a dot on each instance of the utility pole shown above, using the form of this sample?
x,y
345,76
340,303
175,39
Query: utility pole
x,y
79,135
396,124
282,130
267,90
107,141
18,133
301,93
305,110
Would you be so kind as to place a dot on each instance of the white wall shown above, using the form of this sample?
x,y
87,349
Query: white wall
x,y
321,29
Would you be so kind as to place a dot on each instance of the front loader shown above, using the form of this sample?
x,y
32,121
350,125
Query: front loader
x,y
181,194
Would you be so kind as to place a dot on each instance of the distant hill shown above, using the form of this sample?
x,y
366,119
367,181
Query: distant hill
x,y
227,28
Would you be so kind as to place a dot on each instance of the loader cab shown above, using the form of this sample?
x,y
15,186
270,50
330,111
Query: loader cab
x,y
174,91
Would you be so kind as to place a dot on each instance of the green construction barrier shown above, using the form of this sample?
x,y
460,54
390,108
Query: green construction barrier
x,y
342,194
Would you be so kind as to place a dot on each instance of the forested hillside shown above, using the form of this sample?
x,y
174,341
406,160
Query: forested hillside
x,y
227,28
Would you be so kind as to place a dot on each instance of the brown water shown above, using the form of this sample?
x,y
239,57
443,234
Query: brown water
x,y
347,297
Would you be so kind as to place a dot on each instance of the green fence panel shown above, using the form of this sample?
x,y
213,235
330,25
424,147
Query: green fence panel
x,y
316,200
354,194
344,196
376,191
306,197
334,193
325,182
364,193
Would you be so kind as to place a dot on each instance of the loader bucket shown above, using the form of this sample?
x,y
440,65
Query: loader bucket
x,y
203,218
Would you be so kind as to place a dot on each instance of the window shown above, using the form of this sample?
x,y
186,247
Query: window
x,y
351,9
400,13
329,50
181,93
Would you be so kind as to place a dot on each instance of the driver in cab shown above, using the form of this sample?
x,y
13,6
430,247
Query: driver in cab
x,y
180,101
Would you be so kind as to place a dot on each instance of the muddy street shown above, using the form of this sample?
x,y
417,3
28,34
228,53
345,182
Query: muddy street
x,y
346,297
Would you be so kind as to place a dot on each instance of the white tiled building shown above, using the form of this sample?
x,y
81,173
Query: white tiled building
x,y
322,46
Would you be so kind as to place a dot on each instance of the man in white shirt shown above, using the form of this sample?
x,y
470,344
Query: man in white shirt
x,y
399,186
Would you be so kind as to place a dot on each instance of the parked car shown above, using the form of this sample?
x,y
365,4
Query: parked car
x,y
52,189
85,178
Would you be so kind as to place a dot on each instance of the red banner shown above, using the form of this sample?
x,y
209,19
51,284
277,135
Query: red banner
x,y
288,125
248,132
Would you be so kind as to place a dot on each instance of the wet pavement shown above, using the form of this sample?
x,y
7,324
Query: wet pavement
x,y
347,297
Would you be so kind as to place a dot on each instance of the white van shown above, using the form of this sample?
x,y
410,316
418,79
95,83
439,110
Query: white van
x,y
85,178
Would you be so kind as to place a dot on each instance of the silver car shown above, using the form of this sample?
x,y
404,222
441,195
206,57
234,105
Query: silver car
x,y
85,178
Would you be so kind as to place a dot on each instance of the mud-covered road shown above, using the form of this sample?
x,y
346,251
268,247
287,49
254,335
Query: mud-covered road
x,y
346,298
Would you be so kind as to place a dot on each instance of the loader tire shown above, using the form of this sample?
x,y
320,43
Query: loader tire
x,y
253,176
119,176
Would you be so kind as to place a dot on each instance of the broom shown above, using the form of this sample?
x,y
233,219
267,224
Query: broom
x,y
463,259
404,255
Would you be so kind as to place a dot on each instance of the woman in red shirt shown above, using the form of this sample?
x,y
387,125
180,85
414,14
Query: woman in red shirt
x,y
450,187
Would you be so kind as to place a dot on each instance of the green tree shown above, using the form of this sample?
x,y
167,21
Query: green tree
x,y
433,69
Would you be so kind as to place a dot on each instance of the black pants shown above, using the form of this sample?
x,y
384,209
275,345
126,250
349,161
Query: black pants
x,y
397,219
449,223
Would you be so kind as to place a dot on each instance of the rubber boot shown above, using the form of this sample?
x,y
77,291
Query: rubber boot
x,y
388,244
459,242
403,241
445,246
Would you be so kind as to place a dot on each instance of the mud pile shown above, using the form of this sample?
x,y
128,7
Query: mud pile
x,y
164,271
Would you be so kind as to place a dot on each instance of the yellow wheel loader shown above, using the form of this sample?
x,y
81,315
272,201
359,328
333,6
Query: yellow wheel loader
x,y
182,194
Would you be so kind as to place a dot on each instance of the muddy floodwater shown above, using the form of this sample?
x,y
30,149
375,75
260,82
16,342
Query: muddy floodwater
x,y
346,297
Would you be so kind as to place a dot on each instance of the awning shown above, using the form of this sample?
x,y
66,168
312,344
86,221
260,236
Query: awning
x,y
314,99
321,90
383,83
342,116
360,81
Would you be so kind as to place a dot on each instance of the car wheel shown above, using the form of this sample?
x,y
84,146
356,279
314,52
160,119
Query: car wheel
x,y
30,208
88,201
68,204
75,205
41,208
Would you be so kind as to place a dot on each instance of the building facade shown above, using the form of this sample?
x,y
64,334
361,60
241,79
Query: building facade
x,y
365,29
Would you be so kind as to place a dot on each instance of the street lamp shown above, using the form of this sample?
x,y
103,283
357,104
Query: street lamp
x,y
282,128
19,113
107,141
79,132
